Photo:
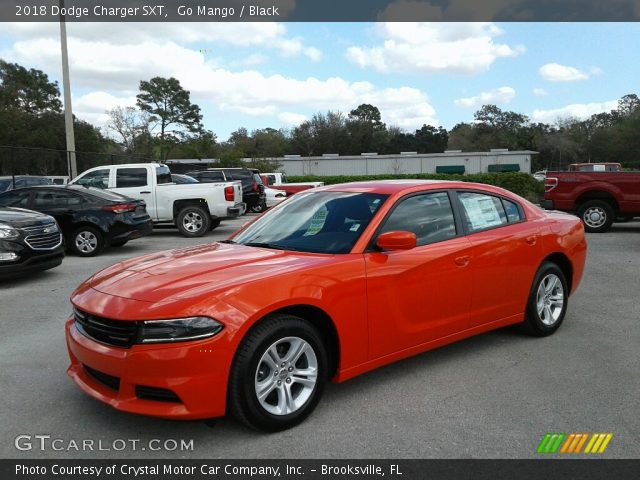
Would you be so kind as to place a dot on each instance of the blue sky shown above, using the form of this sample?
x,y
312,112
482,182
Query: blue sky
x,y
275,75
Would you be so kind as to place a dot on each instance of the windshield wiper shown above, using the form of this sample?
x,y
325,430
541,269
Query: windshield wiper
x,y
274,246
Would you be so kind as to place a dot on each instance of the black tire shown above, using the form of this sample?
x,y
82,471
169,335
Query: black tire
x,y
251,367
119,243
259,208
596,215
215,223
86,241
542,323
193,221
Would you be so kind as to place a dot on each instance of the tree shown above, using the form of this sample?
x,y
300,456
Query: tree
x,y
27,90
171,107
131,126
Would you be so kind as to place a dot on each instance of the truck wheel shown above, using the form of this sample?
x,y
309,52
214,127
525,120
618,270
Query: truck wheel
x,y
259,208
193,221
597,216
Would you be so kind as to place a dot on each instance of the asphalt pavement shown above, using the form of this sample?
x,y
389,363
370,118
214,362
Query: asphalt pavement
x,y
491,396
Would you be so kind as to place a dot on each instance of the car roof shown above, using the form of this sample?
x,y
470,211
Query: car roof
x,y
81,189
390,187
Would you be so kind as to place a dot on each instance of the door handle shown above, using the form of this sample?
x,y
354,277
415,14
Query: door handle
x,y
531,240
144,192
462,261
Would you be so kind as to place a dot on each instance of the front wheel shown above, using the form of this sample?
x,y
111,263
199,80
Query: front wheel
x,y
597,216
547,303
278,374
193,221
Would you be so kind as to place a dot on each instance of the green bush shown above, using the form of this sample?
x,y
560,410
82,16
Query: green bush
x,y
521,184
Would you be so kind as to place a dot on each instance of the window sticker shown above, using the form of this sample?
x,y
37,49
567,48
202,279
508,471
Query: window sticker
x,y
317,222
482,212
354,227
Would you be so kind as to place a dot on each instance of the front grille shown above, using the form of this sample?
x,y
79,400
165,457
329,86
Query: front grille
x,y
111,332
39,239
157,394
107,380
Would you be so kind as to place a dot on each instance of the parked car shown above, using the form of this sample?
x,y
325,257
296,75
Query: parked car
x,y
29,242
180,179
252,187
193,208
273,196
280,181
598,197
19,181
335,282
90,218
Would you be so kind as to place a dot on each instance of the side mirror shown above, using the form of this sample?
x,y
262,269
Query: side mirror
x,y
396,240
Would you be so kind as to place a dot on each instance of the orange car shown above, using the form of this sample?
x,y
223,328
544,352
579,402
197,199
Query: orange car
x,y
330,284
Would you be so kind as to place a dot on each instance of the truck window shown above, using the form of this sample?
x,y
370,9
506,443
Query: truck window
x,y
131,177
97,178
163,175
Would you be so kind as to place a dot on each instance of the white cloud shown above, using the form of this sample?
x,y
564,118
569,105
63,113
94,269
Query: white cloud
x,y
540,92
580,111
291,118
92,107
466,48
554,72
267,35
250,60
496,96
116,69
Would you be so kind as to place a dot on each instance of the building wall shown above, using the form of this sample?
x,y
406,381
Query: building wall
x,y
474,162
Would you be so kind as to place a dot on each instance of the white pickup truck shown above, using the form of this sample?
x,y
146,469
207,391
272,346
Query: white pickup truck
x,y
195,208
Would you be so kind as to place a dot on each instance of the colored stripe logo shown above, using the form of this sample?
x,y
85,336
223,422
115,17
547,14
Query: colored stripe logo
x,y
574,442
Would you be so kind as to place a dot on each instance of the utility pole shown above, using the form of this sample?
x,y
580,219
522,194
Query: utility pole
x,y
66,86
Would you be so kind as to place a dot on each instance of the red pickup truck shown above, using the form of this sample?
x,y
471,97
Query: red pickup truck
x,y
597,197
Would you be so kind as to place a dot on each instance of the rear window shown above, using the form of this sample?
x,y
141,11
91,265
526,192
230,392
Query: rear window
x,y
131,177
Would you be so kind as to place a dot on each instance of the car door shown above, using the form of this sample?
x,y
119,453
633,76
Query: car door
x,y
506,255
16,198
419,295
136,182
61,205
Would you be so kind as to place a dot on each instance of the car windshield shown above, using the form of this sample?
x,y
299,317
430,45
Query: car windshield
x,y
318,222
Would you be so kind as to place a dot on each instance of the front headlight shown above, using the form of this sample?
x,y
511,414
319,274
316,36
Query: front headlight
x,y
178,329
7,232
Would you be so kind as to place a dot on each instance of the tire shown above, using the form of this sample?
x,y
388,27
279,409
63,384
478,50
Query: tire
x,y
548,300
288,398
119,243
86,241
259,208
193,221
215,223
596,215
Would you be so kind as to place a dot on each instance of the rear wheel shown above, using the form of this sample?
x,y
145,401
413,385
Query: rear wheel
x,y
86,241
547,303
193,221
259,208
597,216
278,374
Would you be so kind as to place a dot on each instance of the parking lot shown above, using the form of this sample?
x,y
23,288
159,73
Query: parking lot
x,y
492,396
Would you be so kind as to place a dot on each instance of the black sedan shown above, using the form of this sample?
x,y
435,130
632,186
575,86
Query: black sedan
x,y
29,242
90,218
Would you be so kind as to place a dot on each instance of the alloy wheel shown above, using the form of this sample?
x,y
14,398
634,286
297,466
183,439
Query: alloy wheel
x,y
550,299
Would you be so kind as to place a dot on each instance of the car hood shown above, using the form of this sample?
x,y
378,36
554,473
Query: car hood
x,y
195,271
20,217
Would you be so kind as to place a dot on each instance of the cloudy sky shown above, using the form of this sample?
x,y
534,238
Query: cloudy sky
x,y
259,75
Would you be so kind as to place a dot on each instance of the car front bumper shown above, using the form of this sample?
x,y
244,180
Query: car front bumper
x,y
29,261
195,372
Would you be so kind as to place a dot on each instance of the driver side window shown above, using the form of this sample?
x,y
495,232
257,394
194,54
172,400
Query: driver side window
x,y
429,216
